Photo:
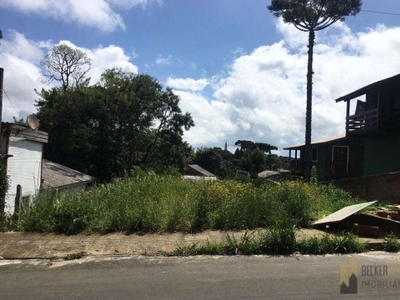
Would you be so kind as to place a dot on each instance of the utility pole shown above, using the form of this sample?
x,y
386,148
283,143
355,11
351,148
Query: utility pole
x,y
2,195
1,94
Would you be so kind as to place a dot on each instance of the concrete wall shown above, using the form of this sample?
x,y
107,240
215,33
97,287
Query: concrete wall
x,y
383,187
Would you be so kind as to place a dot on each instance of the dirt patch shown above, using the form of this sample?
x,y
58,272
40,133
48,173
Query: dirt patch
x,y
35,245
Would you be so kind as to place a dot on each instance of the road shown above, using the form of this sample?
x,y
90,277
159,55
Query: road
x,y
203,277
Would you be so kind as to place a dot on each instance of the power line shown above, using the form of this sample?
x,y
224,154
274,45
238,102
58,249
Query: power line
x,y
11,103
381,12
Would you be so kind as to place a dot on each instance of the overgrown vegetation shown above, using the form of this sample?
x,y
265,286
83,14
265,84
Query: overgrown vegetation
x,y
151,203
275,241
391,243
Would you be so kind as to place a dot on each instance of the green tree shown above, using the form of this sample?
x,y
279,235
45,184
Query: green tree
x,y
216,160
258,160
249,146
67,65
105,129
311,16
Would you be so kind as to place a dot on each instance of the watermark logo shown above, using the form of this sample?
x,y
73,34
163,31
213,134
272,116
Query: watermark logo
x,y
354,278
348,277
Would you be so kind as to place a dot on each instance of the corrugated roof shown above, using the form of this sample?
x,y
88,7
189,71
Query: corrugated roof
x,y
319,141
365,89
59,176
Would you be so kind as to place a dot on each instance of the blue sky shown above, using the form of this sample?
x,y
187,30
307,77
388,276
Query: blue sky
x,y
238,69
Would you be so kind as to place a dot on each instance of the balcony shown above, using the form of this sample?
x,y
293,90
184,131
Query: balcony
x,y
374,121
366,121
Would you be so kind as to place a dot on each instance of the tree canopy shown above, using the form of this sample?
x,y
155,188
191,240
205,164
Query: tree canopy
x,y
67,65
106,129
249,146
311,16
314,15
251,156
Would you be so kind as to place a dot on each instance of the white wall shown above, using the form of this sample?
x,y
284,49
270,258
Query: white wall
x,y
23,168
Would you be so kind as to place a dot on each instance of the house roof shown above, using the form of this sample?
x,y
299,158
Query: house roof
x,y
59,176
365,89
320,141
201,170
22,131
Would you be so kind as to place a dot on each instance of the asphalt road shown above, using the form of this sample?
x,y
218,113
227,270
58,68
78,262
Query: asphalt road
x,y
241,277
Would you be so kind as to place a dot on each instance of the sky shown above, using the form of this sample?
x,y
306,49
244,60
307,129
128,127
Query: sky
x,y
239,71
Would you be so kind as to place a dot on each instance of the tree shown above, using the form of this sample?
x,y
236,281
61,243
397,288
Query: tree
x,y
105,129
258,160
311,16
252,157
67,65
249,146
216,160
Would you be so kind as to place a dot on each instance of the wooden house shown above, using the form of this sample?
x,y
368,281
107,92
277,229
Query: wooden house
x,y
371,144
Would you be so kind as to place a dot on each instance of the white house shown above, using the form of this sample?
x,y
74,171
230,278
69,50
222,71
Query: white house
x,y
23,148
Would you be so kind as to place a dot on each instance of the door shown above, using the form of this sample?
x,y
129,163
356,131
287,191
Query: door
x,y
340,159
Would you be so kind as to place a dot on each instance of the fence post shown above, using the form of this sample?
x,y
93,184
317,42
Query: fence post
x,y
18,198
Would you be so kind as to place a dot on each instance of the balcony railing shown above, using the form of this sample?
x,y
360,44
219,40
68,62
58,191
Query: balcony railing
x,y
366,120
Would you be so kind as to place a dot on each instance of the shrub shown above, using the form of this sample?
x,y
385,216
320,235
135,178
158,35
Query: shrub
x,y
391,243
342,243
276,241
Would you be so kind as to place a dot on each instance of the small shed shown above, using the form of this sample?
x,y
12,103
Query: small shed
x,y
23,148
63,179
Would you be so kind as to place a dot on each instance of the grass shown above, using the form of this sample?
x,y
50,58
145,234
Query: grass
x,y
152,203
276,241
391,243
342,243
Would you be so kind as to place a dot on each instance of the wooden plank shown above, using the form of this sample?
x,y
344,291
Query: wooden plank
x,y
343,213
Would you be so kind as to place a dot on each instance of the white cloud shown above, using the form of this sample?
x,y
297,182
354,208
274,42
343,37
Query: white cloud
x,y
21,47
99,14
161,61
21,58
134,54
187,83
107,58
212,119
128,4
263,97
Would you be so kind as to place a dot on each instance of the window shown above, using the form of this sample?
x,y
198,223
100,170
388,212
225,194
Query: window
x,y
314,156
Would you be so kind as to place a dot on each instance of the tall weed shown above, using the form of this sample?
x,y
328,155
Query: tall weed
x,y
147,202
